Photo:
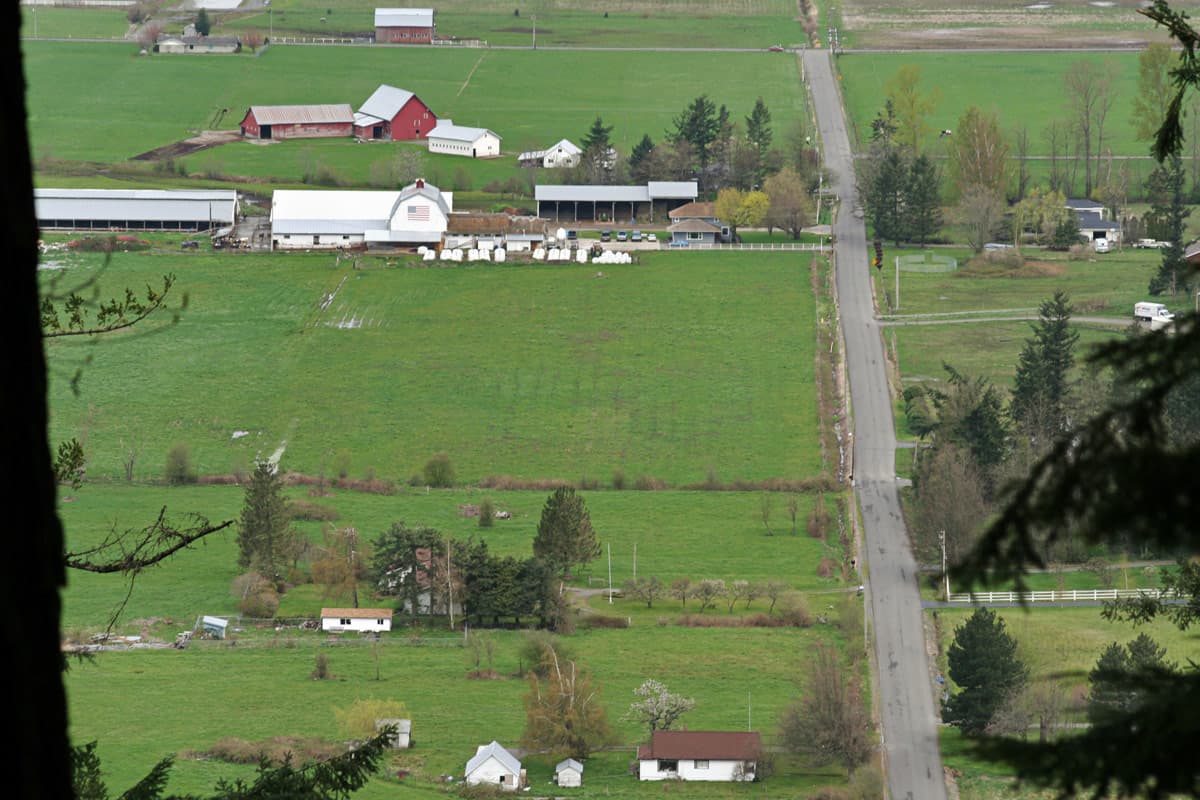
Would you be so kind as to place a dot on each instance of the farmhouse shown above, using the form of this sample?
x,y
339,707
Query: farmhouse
x,y
195,45
612,203
363,620
393,114
404,25
307,220
563,154
696,224
1093,222
495,766
459,140
699,756
568,772
135,209
298,122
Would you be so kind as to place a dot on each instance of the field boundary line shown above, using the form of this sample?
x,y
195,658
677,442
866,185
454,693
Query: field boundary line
x,y
470,74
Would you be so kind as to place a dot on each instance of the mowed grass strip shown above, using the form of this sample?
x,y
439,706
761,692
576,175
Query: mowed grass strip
x,y
187,700
676,534
680,367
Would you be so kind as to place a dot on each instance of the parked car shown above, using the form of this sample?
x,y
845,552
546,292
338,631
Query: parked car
x,y
776,48
1150,243
572,235
993,246
636,236
622,236
1101,245
606,235
651,237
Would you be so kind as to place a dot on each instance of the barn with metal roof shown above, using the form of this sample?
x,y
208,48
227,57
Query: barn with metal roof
x,y
570,203
460,140
404,25
298,122
311,219
136,209
391,113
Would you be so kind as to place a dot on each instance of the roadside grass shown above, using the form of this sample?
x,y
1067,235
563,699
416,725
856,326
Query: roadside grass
x,y
626,88
744,676
677,369
721,533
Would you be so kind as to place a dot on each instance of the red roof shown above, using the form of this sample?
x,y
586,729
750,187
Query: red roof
x,y
710,745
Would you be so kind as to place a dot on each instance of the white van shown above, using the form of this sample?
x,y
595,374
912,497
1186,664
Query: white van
x,y
1101,245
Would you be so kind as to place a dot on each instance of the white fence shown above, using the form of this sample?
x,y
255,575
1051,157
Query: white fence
x,y
1069,596
760,246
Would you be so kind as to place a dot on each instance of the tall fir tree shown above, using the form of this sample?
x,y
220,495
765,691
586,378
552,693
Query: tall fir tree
x,y
698,125
984,664
923,202
1116,679
1167,216
758,134
565,537
637,158
885,201
203,24
265,527
1042,387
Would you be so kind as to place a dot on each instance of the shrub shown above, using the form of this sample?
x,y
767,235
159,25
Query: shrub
x,y
179,465
487,513
312,512
827,567
794,610
618,480
531,653
321,668
358,721
600,621
256,596
439,472
646,483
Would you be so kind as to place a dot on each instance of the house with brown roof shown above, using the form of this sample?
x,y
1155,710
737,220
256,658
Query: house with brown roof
x,y
361,620
696,224
700,756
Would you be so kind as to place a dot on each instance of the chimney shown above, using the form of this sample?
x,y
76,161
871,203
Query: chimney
x,y
420,183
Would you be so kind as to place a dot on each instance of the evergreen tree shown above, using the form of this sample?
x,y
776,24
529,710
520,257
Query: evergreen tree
x,y
923,202
264,533
565,536
1042,387
598,136
598,158
1166,219
638,158
1116,680
698,125
885,201
758,132
984,665
203,25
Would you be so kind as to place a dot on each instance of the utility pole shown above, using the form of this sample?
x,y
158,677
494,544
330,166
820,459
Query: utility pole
x,y
610,573
533,18
945,574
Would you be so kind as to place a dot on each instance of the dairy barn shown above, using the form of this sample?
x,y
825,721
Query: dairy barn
x,y
298,122
404,25
136,209
393,114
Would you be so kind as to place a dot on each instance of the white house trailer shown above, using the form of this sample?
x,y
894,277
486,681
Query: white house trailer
x,y
459,140
495,766
361,620
323,220
700,756
135,209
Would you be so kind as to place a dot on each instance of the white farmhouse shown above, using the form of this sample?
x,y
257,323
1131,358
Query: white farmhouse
x,y
459,140
495,766
568,772
362,620
314,220
700,756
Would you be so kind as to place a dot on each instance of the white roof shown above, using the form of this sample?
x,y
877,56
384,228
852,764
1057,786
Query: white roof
x,y
315,211
216,205
385,103
446,129
567,146
587,194
569,763
674,190
497,751
404,18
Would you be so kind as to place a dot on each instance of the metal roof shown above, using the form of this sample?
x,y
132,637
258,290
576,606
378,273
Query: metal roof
x,y
591,194
215,205
289,115
316,211
357,613
693,225
673,190
497,751
711,745
446,129
404,18
1092,220
386,102
568,763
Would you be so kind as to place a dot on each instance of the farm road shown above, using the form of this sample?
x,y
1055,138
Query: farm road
x,y
904,685
934,319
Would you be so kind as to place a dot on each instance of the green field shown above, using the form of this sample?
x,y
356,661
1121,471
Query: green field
x,y
72,23
680,367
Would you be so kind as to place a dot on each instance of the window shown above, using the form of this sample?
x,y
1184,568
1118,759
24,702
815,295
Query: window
x,y
378,621
695,236
701,764
343,620
668,765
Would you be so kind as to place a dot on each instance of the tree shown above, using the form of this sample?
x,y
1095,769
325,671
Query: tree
x,y
681,590
565,537
645,590
707,591
266,540
886,181
979,211
970,414
923,203
638,157
597,160
656,707
439,472
697,125
951,502
1116,680
1168,211
978,152
830,723
252,38
203,24
1153,95
1042,385
984,665
791,208
1088,87
912,107
741,209
758,134
341,564
148,34
565,716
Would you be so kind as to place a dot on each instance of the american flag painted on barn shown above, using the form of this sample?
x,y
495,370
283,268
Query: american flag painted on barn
x,y
418,213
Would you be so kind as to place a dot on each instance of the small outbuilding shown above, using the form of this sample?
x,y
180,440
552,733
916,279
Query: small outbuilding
x,y
214,626
568,772
404,25
460,140
564,153
492,765
700,756
298,122
360,620
393,114
403,728
197,45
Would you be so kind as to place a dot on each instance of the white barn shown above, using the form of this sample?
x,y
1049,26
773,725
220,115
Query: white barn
x,y
564,153
495,766
700,756
323,220
361,620
460,140
135,209
568,772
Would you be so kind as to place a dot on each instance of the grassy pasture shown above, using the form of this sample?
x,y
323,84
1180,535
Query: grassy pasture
x,y
73,23
529,98
679,366
721,533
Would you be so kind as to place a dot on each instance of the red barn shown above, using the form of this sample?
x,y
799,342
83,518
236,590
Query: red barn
x,y
298,122
404,25
392,113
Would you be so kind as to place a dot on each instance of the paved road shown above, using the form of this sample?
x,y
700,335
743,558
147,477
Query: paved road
x,y
914,764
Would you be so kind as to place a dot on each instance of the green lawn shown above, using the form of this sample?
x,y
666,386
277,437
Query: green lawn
x,y
72,23
680,367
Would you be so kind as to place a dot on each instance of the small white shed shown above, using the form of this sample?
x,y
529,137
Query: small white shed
x,y
568,772
403,738
495,766
361,620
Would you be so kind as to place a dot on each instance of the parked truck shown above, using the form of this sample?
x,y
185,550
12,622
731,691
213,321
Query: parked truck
x,y
1156,314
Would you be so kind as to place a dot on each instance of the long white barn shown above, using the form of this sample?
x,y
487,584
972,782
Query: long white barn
x,y
323,220
135,209
460,140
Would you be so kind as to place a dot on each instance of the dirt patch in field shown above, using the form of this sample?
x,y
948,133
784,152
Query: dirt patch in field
x,y
201,141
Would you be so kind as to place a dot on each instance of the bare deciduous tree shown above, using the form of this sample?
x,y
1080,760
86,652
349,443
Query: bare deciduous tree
x,y
646,590
1089,92
656,707
979,211
830,722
